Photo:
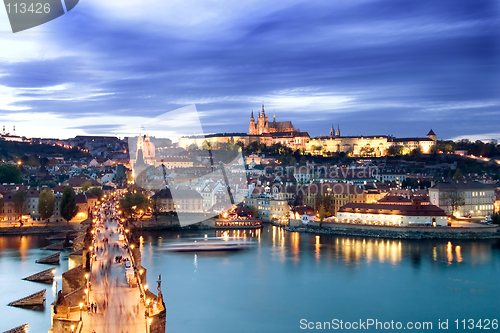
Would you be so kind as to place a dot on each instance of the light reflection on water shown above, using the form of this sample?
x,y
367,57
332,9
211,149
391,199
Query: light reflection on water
x,y
287,274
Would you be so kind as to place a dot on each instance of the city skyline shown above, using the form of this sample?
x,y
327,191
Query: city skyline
x,y
373,67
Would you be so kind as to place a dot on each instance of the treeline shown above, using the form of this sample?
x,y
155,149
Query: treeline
x,y
477,148
16,151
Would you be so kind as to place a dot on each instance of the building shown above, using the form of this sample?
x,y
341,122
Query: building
x,y
177,162
212,140
77,182
332,196
393,215
264,126
269,208
181,201
147,148
464,198
377,145
388,176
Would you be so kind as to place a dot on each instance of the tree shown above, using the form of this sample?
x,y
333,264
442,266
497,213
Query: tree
x,y
495,218
395,150
458,175
132,203
69,209
19,199
367,151
86,186
322,213
453,200
46,203
255,211
97,191
10,174
303,160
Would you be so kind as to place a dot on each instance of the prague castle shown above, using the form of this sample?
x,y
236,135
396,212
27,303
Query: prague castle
x,y
283,132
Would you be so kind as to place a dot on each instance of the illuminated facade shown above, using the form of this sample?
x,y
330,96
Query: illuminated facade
x,y
264,126
377,145
147,148
415,214
464,198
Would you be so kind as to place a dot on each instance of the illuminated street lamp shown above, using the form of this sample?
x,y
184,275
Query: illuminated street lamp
x,y
72,328
81,307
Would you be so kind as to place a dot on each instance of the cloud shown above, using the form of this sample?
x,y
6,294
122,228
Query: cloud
x,y
375,67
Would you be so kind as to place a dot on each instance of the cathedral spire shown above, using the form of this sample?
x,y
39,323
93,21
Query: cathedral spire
x,y
274,116
252,115
263,113
332,131
338,131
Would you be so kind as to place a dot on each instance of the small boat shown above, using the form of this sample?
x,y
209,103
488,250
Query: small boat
x,y
218,244
37,298
46,276
18,329
52,259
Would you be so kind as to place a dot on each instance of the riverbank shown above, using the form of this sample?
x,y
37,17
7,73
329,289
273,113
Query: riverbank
x,y
343,229
35,230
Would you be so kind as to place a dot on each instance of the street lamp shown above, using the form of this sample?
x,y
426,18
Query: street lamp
x,y
72,328
81,307
87,296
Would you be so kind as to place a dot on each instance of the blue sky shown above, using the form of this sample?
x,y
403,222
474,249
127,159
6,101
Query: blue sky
x,y
398,67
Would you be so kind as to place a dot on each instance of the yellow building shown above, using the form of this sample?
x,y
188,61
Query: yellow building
x,y
377,145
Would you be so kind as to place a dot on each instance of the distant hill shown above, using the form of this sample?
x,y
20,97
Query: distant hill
x,y
10,150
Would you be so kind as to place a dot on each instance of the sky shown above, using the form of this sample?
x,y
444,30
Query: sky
x,y
383,67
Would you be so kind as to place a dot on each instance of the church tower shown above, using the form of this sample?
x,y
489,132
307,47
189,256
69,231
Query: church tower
x,y
140,144
338,131
251,129
332,131
149,151
431,135
262,122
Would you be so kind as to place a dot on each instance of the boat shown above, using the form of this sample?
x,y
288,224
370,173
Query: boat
x,y
238,223
18,329
37,298
52,259
212,244
46,276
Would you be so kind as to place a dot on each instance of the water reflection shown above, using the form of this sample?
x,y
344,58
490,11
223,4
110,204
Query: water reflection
x,y
296,247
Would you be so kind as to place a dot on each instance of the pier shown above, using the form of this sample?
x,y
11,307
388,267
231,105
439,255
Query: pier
x,y
105,291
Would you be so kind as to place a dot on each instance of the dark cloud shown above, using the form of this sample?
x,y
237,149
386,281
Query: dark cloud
x,y
407,65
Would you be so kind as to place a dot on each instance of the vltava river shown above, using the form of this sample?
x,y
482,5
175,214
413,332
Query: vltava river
x,y
289,277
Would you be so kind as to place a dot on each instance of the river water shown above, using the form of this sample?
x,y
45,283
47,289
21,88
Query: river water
x,y
288,277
